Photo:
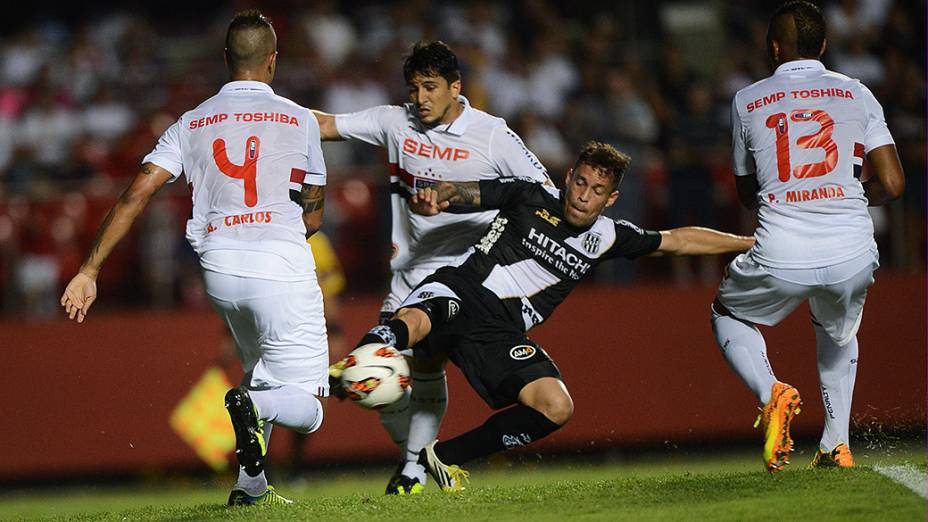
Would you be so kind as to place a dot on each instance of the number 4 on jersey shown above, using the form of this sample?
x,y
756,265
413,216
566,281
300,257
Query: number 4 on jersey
x,y
247,171
819,140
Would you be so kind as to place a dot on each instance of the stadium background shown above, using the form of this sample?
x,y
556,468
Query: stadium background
x,y
85,91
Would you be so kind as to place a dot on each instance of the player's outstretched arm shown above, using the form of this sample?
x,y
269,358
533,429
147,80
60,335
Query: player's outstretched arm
x,y
81,292
888,181
432,200
694,241
327,129
312,199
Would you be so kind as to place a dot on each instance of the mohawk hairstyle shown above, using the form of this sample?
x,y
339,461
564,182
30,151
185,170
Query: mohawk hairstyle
x,y
249,39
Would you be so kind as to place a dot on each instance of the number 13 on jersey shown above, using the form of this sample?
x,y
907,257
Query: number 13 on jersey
x,y
821,139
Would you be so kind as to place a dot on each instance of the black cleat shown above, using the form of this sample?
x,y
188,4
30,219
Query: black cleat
x,y
402,485
250,448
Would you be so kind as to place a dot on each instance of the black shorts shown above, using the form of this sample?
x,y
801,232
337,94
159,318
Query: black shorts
x,y
493,352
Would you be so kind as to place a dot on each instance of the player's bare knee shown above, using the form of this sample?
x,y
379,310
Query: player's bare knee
x,y
559,408
549,396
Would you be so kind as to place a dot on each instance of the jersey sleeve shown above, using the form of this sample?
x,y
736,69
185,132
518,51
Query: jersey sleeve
x,y
316,174
742,159
504,193
632,241
167,153
877,133
370,125
511,158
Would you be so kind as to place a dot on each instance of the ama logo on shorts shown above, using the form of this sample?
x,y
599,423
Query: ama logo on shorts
x,y
522,352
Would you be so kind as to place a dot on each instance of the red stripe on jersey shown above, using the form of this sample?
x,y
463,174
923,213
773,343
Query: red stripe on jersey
x,y
297,176
859,150
404,176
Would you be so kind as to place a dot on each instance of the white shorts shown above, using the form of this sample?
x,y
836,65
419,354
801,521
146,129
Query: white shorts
x,y
401,284
278,328
765,295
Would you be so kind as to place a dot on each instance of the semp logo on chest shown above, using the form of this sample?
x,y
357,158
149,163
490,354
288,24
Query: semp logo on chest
x,y
429,150
522,352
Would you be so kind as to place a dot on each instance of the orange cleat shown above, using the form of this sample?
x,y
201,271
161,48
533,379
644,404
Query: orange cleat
x,y
775,417
840,457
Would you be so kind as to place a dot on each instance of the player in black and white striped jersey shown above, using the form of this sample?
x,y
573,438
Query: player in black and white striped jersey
x,y
477,311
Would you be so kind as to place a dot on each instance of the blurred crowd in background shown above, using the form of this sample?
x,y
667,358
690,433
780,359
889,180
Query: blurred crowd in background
x,y
85,94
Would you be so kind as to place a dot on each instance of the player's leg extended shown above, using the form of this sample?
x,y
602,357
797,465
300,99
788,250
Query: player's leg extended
x,y
278,388
426,306
428,404
544,406
837,372
395,417
749,294
836,314
745,351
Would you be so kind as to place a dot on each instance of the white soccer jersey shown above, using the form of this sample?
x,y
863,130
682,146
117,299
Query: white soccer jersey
x,y
473,147
246,153
805,131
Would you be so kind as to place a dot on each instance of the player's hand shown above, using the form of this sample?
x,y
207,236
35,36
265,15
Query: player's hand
x,y
80,293
425,202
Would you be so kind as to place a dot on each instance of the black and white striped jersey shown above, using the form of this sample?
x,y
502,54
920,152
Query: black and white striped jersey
x,y
531,257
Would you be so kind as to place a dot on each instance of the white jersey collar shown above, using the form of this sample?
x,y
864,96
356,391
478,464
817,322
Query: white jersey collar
x,y
459,126
800,66
245,86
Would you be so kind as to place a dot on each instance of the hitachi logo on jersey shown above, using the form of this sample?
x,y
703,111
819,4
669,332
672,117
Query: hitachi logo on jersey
x,y
550,245
411,146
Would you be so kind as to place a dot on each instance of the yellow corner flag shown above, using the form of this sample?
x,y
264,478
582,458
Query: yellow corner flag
x,y
201,420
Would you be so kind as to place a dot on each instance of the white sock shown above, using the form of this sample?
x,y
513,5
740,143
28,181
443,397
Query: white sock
x,y
395,419
837,372
254,486
289,406
746,352
428,404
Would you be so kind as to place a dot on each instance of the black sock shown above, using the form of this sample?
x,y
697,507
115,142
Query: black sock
x,y
393,332
511,428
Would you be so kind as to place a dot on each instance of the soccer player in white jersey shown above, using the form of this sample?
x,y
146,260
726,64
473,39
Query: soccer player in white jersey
x,y
800,138
437,136
253,163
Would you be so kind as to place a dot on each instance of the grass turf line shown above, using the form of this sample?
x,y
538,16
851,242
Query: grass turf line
x,y
577,493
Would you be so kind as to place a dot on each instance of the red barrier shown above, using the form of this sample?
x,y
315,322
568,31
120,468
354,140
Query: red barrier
x,y
640,363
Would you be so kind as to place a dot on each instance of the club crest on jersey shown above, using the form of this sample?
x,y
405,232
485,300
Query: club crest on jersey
x,y
591,242
522,352
545,215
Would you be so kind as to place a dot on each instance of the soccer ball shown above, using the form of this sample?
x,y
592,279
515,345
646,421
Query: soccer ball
x,y
375,375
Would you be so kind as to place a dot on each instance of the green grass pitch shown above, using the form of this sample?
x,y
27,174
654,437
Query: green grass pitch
x,y
675,485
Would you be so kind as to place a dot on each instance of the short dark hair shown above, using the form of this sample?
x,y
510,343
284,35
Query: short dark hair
x,y
606,159
432,58
249,39
810,26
